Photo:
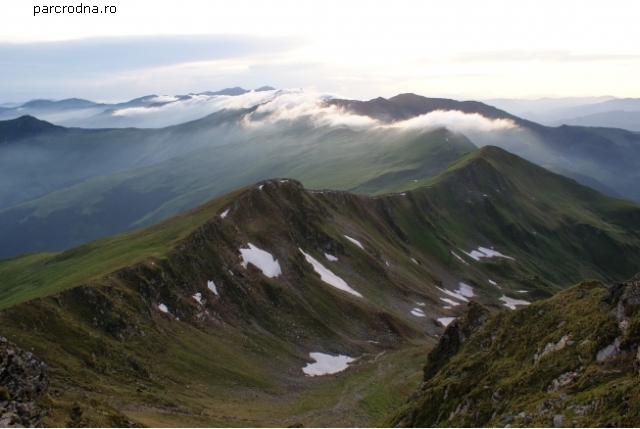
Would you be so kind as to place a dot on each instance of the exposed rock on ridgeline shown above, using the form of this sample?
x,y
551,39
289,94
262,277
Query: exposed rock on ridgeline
x,y
572,360
22,382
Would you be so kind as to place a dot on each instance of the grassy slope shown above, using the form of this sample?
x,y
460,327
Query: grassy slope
x,y
40,274
329,158
497,376
575,227
110,349
113,352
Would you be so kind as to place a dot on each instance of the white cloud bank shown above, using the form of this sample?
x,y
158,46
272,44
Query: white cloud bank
x,y
455,120
267,108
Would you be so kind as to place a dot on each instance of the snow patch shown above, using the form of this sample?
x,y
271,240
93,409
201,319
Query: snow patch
x,y
446,320
330,257
415,261
198,297
483,252
417,312
464,290
327,276
511,303
493,253
461,260
450,302
326,364
421,304
456,294
493,283
260,187
261,259
163,308
224,213
354,241
212,286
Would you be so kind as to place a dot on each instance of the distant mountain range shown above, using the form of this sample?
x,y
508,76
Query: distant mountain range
x,y
608,112
62,187
76,112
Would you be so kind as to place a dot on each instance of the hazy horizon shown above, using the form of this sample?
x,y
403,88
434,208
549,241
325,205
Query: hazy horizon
x,y
459,50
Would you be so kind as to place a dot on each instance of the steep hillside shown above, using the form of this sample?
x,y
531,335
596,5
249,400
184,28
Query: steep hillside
x,y
107,181
211,317
132,178
607,155
570,361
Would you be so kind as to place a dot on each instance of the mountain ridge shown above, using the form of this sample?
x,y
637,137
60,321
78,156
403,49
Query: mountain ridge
x,y
173,324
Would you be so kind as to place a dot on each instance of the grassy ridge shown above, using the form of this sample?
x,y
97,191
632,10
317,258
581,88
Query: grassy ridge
x,y
215,164
96,321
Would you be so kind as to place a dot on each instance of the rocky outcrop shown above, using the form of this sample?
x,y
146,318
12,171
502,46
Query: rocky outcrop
x,y
22,382
572,360
454,336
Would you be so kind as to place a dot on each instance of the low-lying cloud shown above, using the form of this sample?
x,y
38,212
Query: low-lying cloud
x,y
294,104
267,107
456,120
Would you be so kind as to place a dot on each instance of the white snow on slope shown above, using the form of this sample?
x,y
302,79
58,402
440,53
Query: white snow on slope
x,y
464,290
415,261
224,213
326,364
198,297
330,257
483,252
453,294
446,320
354,241
327,276
212,287
260,187
462,260
450,302
163,308
421,304
261,259
417,312
493,283
511,303
493,253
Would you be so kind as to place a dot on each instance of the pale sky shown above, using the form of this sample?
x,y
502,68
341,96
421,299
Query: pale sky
x,y
458,49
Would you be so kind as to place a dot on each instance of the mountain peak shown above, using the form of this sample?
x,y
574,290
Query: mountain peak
x,y
24,126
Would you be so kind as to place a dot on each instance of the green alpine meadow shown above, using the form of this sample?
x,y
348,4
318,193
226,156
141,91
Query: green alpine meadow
x,y
304,272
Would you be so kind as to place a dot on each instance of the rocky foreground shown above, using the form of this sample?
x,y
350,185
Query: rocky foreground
x,y
22,382
572,360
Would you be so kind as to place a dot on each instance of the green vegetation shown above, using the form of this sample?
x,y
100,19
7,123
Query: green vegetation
x,y
93,313
553,363
135,178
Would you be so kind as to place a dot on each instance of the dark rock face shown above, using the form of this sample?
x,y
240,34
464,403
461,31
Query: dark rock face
x,y
22,382
455,334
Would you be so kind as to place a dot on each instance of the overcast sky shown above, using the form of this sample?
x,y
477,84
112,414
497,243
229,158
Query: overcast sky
x,y
459,49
